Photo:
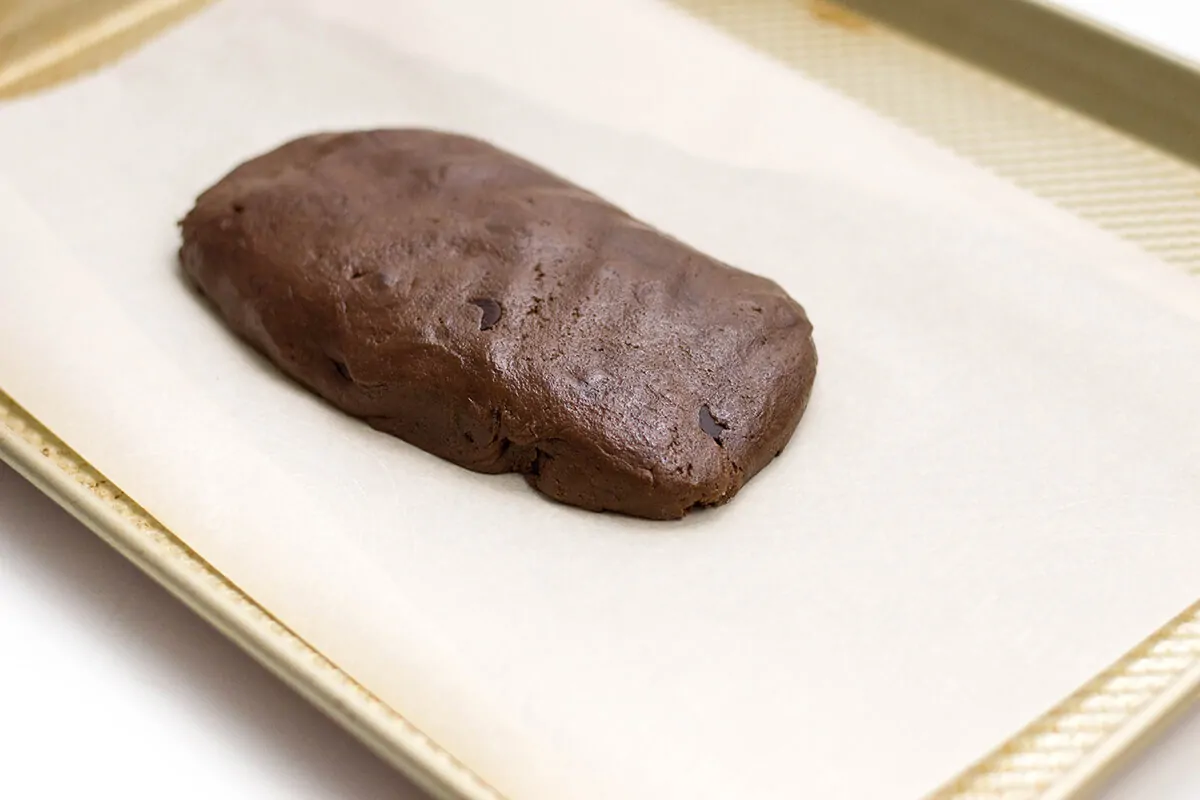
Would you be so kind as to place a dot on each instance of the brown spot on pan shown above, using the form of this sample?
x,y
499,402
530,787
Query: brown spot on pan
x,y
838,15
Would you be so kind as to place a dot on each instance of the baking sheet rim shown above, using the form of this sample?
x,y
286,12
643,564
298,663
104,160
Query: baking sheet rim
x,y
62,474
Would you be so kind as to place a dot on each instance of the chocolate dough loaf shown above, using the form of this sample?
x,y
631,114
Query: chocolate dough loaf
x,y
495,315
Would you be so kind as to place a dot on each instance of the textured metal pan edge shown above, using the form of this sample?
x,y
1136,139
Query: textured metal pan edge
x,y
44,42
1093,170
75,485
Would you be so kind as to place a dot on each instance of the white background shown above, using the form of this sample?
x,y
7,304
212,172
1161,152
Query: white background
x,y
158,700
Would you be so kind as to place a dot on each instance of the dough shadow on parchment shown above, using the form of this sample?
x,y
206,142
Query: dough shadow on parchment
x,y
521,123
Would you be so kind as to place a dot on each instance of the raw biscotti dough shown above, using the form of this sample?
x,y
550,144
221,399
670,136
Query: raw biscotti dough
x,y
491,313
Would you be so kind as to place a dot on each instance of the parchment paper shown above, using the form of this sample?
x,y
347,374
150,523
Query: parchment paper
x,y
991,497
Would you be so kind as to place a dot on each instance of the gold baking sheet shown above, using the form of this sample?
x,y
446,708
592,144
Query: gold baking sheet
x,y
1091,168
43,42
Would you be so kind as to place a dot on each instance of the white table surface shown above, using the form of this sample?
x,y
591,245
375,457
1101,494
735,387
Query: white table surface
x,y
124,692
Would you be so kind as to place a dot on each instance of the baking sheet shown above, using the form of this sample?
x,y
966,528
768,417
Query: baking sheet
x,y
988,501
